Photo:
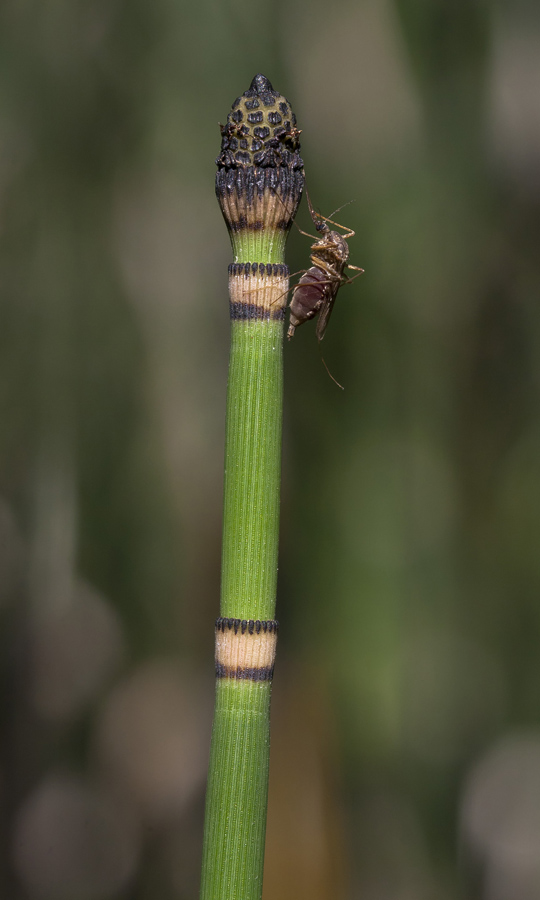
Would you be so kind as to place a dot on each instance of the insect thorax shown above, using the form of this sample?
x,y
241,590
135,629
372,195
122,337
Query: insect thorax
x,y
331,253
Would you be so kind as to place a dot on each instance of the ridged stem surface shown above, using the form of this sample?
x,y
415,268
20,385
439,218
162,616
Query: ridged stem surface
x,y
252,470
233,854
237,792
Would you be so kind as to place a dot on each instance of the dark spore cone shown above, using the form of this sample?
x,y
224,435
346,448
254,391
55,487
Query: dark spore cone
x,y
259,159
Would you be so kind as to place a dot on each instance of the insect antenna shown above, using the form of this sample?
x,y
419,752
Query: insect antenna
x,y
319,226
306,233
319,219
316,217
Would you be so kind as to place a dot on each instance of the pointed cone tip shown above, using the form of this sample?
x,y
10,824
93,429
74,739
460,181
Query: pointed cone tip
x,y
261,84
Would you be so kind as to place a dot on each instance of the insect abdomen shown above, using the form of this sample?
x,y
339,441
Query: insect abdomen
x,y
308,297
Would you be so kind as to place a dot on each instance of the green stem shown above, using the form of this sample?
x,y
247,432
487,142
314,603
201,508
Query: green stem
x,y
252,470
236,793
258,202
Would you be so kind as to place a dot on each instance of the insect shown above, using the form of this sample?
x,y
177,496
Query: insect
x,y
316,292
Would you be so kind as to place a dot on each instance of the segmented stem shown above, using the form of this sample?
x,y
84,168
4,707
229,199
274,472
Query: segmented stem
x,y
258,184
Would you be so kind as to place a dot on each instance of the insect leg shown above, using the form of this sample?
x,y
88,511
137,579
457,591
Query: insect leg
x,y
289,289
343,205
347,280
329,372
293,286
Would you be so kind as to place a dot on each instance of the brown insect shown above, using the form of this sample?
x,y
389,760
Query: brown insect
x,y
316,292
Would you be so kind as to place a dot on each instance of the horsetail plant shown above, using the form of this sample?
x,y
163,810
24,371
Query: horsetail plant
x,y
259,183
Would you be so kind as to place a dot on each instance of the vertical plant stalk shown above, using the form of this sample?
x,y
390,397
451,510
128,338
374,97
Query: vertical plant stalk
x,y
259,184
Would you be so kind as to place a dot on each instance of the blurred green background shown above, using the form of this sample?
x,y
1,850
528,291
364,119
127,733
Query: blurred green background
x,y
406,713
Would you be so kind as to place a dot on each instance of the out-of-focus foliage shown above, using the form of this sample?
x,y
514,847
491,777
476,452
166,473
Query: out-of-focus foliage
x,y
406,724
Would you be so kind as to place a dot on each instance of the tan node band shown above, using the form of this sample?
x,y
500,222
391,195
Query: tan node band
x,y
246,649
258,291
